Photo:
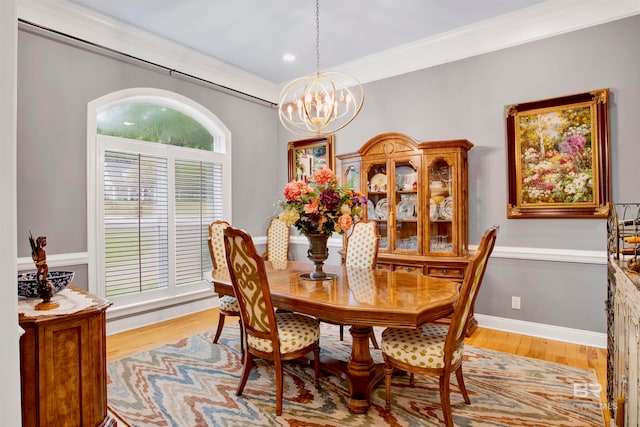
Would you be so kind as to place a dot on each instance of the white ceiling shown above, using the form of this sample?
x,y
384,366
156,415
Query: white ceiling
x,y
238,44
253,35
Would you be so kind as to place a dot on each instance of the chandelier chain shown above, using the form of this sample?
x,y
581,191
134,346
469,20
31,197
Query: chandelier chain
x,y
318,36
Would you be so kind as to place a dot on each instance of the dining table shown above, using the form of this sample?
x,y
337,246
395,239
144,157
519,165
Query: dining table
x,y
359,297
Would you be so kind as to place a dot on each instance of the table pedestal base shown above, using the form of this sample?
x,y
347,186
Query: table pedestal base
x,y
360,373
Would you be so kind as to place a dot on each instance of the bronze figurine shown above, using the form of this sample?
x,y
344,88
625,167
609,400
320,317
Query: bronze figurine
x,y
45,289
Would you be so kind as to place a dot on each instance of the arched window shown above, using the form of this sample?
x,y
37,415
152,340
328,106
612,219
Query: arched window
x,y
158,175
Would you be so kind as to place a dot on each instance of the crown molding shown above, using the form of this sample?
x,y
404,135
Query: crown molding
x,y
537,22
76,21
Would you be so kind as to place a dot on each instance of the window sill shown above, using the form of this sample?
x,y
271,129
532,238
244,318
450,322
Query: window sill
x,y
132,309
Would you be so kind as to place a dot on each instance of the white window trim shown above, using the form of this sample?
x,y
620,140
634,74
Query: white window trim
x,y
222,144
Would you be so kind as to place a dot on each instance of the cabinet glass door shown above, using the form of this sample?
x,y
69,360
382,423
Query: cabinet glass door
x,y
378,201
441,206
405,212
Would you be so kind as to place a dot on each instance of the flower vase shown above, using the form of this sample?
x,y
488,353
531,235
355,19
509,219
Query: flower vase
x,y
318,254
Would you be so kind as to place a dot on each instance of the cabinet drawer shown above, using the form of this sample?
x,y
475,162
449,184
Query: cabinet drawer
x,y
445,271
408,268
383,266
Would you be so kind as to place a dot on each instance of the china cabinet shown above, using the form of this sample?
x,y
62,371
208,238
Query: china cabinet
x,y
417,192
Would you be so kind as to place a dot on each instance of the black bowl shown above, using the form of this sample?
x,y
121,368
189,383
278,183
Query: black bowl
x,y
28,286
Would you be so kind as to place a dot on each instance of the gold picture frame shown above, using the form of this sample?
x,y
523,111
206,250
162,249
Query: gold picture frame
x,y
309,155
558,157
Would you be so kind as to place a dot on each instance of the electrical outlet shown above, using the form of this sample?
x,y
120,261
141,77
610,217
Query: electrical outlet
x,y
515,303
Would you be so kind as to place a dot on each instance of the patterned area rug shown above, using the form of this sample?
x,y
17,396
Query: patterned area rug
x,y
193,382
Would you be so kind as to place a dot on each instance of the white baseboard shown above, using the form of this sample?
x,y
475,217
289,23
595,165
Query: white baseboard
x,y
540,330
122,324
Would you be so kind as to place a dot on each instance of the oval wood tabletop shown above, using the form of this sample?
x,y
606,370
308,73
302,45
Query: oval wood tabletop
x,y
356,295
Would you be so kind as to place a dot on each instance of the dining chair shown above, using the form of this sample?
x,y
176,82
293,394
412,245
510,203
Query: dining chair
x,y
268,334
361,250
277,241
228,304
433,349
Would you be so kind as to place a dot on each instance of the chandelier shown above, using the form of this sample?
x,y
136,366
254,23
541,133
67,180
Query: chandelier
x,y
320,103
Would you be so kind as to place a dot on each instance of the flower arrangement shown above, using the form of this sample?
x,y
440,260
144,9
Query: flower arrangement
x,y
561,174
321,206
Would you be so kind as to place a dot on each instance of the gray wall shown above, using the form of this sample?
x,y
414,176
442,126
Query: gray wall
x,y
56,81
466,99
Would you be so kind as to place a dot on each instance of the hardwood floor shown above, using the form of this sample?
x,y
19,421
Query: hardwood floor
x,y
147,337
580,356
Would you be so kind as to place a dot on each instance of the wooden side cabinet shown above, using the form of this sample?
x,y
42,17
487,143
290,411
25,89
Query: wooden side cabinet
x,y
63,369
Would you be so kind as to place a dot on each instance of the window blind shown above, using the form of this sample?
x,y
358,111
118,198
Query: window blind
x,y
135,222
198,190
137,203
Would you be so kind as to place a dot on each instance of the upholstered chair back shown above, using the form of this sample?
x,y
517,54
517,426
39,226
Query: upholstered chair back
x,y
362,245
250,284
278,240
216,244
473,276
269,335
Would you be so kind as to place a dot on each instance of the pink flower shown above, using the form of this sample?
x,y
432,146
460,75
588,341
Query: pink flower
x,y
311,207
294,190
323,176
573,145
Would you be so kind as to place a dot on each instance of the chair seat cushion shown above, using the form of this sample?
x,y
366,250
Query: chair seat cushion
x,y
228,303
422,347
295,331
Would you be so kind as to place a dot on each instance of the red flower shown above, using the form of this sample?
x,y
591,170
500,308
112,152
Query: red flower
x,y
330,199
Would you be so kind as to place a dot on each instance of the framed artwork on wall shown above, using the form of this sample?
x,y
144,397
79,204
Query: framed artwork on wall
x,y
558,157
309,155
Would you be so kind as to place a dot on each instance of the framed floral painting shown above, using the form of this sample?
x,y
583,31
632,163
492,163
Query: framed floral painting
x,y
558,157
309,155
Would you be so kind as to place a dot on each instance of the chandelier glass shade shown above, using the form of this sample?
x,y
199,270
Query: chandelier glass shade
x,y
320,103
